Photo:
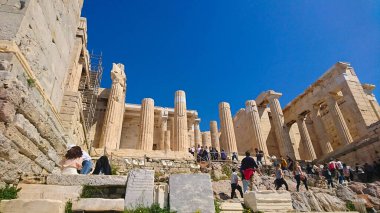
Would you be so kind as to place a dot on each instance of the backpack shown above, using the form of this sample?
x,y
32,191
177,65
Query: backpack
x,y
331,166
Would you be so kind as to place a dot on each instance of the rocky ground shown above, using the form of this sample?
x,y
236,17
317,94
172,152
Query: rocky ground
x,y
318,198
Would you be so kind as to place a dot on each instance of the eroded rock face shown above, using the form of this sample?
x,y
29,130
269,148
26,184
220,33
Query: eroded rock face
x,y
310,201
345,193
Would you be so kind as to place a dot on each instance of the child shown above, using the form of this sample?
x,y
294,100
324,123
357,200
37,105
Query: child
x,y
235,184
280,178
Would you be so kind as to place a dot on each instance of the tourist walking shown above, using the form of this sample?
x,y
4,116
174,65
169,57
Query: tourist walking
x,y
102,166
280,178
284,164
72,161
235,184
339,168
327,174
299,175
248,168
347,172
290,163
259,156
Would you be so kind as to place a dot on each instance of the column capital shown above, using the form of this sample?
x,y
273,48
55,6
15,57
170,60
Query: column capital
x,y
271,94
223,105
197,121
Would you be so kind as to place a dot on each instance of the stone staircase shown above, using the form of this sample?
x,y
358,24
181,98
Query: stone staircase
x,y
231,207
269,201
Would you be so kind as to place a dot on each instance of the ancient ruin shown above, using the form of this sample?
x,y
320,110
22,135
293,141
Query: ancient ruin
x,y
50,97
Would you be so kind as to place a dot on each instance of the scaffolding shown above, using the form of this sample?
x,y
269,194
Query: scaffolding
x,y
89,85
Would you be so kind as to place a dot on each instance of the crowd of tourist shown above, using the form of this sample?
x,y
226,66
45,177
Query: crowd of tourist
x,y
333,172
77,161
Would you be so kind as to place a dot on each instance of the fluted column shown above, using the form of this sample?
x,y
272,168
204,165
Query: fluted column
x,y
254,118
204,139
146,124
338,119
197,132
305,137
172,145
164,128
283,137
214,135
180,121
227,128
113,119
320,130
167,141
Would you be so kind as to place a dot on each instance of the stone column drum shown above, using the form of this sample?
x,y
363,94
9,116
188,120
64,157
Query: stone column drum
x,y
180,122
253,115
164,128
214,135
167,141
227,128
146,125
113,119
336,115
197,132
320,129
286,146
305,137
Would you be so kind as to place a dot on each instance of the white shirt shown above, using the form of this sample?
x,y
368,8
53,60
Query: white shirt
x,y
234,178
86,156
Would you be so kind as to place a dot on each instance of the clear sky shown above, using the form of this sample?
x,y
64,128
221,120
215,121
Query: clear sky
x,y
218,50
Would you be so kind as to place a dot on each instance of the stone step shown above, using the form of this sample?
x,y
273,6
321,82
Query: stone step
x,y
235,207
91,180
32,206
98,204
54,192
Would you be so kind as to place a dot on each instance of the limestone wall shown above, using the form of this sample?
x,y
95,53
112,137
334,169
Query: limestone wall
x,y
45,33
36,40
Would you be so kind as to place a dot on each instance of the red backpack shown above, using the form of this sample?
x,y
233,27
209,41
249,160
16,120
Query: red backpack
x,y
331,166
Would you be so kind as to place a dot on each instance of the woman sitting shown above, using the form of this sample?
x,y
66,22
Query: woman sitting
x,y
72,161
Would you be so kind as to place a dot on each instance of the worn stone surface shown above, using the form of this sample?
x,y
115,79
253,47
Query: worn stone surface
x,y
32,206
140,188
53,192
92,180
98,204
183,197
268,201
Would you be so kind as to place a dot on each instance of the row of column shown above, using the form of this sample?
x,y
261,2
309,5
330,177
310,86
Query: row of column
x,y
339,123
180,140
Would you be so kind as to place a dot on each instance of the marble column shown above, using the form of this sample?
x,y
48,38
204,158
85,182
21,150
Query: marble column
x,y
167,140
283,138
113,119
164,128
172,145
146,125
254,118
204,139
338,119
227,128
305,137
180,122
197,133
320,129
214,135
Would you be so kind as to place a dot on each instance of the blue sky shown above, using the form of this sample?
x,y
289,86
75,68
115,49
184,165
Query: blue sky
x,y
231,50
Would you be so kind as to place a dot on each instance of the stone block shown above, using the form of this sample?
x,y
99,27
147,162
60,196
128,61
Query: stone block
x,y
54,192
98,204
191,193
268,201
92,180
140,188
7,111
161,195
32,206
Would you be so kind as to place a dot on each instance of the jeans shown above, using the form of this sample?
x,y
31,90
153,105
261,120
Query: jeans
x,y
86,167
245,185
280,182
235,186
298,179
